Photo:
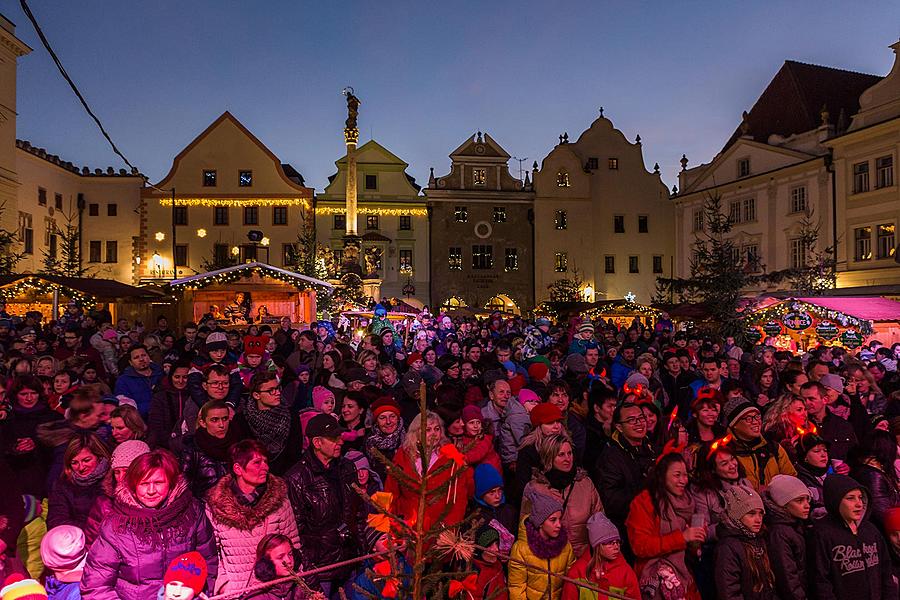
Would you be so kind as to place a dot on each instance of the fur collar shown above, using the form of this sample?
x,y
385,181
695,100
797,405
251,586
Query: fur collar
x,y
226,509
545,549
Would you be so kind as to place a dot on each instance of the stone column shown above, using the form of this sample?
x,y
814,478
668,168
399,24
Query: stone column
x,y
351,137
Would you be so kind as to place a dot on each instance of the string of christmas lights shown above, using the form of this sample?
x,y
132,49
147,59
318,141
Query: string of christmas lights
x,y
40,286
776,312
369,210
235,202
233,275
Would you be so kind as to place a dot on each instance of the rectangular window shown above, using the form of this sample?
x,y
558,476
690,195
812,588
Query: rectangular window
x,y
860,177
751,256
482,256
94,251
288,254
406,259
249,252
181,255
220,215
609,264
749,210
338,256
112,251
512,259
743,167
657,264
479,176
93,210
49,229
863,243
462,214
562,179
245,178
180,215
619,223
454,258
561,220
593,163
26,233
736,256
112,209
798,253
734,211
209,178
371,182
221,253
42,197
885,240
251,215
561,262
884,171
697,220
52,248
57,201
405,223
339,222
798,199
279,215
499,214
371,221
614,164
633,264
643,224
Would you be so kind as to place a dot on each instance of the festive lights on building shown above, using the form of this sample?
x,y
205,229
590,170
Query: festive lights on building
x,y
235,202
201,233
369,210
160,236
777,312
39,286
264,241
230,276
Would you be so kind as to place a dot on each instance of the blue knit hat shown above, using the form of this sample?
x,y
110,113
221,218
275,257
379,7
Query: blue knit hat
x,y
486,478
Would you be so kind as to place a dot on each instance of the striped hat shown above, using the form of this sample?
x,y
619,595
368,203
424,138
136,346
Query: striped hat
x,y
16,587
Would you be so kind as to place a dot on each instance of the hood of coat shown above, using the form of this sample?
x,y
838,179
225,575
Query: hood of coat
x,y
727,528
225,508
835,488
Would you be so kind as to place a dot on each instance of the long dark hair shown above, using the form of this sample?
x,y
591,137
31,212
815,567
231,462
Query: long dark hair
x,y
882,447
705,472
656,481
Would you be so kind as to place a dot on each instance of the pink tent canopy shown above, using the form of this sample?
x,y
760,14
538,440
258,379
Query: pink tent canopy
x,y
872,308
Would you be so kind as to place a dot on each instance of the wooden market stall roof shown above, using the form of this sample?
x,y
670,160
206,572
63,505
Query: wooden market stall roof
x,y
75,287
232,274
872,308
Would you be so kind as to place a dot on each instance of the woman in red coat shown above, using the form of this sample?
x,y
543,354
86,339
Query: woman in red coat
x,y
447,504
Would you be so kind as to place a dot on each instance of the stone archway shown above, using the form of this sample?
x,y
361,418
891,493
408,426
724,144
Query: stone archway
x,y
502,303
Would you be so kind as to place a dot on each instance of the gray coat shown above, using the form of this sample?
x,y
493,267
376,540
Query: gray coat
x,y
509,428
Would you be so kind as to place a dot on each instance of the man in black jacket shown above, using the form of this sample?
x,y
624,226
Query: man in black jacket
x,y
833,429
327,510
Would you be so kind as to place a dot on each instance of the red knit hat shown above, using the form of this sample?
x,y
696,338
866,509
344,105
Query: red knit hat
x,y
544,414
413,358
189,569
537,371
471,412
255,344
385,404
892,520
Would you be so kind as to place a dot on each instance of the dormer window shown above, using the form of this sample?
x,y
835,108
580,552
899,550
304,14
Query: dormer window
x,y
743,167
209,178
479,176
562,179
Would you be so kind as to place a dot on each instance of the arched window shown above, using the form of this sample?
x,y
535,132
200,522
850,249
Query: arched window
x,y
562,179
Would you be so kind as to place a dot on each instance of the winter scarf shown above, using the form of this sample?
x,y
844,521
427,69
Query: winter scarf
x,y
382,441
250,498
676,516
94,476
214,447
560,480
543,548
270,427
155,527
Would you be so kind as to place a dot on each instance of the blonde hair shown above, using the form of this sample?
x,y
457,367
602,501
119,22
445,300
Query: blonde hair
x,y
132,419
411,441
550,447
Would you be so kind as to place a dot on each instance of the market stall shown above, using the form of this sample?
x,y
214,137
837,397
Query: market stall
x,y
249,293
42,293
622,313
800,323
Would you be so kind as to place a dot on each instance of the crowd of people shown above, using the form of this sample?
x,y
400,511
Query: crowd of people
x,y
582,459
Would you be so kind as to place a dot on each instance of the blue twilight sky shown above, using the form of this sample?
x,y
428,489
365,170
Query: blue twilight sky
x,y
429,74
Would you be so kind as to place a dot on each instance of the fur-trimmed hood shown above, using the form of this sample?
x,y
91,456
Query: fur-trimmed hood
x,y
226,510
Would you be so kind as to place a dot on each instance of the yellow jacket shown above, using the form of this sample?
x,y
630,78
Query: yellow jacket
x,y
528,584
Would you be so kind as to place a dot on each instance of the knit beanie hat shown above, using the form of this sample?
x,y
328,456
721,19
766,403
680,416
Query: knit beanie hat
x,y
216,341
487,477
255,344
805,443
385,404
740,500
542,506
576,364
190,569
358,459
892,520
126,452
585,327
833,382
736,408
320,395
637,379
486,535
601,530
16,587
64,549
544,414
537,371
413,357
526,395
784,488
470,412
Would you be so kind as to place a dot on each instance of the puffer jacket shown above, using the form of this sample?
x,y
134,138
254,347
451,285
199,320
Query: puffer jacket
x,y
526,583
70,503
31,468
139,387
733,580
327,510
136,545
58,590
238,528
787,551
580,501
101,509
883,495
617,577
620,474
173,414
762,460
201,469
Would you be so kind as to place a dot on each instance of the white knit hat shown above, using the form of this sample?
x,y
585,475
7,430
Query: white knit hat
x,y
126,452
784,488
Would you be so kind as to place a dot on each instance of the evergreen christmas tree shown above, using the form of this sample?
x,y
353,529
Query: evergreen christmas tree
x,y
10,248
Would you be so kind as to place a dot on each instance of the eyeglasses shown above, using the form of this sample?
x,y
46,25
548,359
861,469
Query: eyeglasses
x,y
275,391
217,383
752,418
634,420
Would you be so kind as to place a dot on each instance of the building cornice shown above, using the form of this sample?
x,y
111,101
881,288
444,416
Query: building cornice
x,y
41,153
750,181
13,44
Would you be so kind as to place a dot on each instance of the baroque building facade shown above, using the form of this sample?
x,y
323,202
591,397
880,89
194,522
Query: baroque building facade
x,y
601,217
482,234
392,222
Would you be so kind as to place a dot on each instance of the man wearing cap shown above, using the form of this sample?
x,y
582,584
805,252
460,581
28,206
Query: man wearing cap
x,y
216,349
762,459
836,432
509,420
326,507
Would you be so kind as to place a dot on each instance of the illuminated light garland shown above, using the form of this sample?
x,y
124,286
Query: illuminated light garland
x,y
776,312
235,202
41,286
232,276
367,210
